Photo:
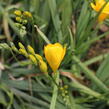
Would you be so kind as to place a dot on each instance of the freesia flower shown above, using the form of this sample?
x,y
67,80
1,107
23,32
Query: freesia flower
x,y
98,6
54,53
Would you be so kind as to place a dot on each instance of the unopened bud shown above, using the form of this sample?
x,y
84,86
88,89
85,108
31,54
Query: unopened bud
x,y
21,45
17,12
43,66
27,14
38,57
33,59
23,52
66,86
30,50
24,21
14,49
18,19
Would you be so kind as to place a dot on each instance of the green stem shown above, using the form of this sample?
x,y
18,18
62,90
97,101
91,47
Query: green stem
x,y
91,75
55,91
14,56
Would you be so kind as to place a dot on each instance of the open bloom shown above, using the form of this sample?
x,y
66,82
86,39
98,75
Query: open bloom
x,y
54,53
98,6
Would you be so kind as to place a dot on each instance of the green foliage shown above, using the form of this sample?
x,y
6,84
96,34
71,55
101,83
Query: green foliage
x,y
72,23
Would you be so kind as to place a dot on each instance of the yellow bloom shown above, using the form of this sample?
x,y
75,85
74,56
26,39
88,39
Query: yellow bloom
x,y
98,6
54,53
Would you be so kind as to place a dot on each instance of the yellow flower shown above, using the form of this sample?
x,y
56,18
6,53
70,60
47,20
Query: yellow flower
x,y
54,53
98,6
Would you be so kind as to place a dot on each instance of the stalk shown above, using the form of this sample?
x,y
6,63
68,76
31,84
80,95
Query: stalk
x,y
55,91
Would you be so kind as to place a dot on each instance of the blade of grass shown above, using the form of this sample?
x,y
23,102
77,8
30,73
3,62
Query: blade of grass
x,y
28,97
55,18
95,59
103,71
42,35
89,42
91,75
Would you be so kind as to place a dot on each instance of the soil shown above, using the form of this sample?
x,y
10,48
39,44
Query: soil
x,y
99,47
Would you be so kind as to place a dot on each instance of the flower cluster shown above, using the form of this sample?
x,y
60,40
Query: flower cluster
x,y
22,17
36,59
64,93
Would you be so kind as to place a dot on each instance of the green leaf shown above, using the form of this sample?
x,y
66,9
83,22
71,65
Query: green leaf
x,y
103,71
66,16
55,18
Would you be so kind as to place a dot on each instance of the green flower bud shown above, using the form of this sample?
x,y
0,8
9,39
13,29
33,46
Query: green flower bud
x,y
33,59
23,52
30,49
21,45
38,57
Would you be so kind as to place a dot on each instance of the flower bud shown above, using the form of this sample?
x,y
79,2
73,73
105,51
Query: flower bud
x,y
18,19
43,66
27,14
33,59
17,12
66,86
23,52
21,45
14,49
24,21
30,49
38,57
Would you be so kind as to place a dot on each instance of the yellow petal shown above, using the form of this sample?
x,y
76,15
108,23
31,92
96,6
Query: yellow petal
x,y
98,5
54,54
106,8
102,17
63,54
93,6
